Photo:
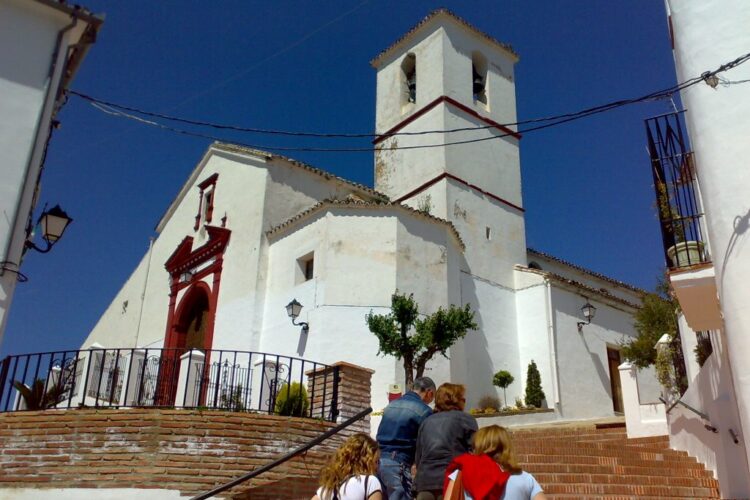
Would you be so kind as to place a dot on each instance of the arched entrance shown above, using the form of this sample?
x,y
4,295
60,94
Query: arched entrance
x,y
191,329
192,320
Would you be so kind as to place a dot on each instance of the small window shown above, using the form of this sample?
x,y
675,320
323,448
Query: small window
x,y
488,233
206,201
479,77
534,265
409,79
305,268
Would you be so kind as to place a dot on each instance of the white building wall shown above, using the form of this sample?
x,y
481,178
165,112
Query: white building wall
x,y
494,346
585,389
536,335
707,34
361,257
712,392
32,61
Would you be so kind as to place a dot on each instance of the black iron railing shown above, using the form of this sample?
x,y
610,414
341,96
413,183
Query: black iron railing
x,y
677,199
206,379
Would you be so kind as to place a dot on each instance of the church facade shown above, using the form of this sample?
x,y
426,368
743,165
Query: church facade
x,y
250,230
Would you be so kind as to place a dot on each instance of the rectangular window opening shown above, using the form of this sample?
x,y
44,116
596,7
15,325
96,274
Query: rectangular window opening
x,y
488,233
305,268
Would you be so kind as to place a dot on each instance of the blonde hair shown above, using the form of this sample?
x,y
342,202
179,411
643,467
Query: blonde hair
x,y
495,441
358,455
450,397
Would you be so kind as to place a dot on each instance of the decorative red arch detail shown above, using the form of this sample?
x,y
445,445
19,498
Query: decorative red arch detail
x,y
183,260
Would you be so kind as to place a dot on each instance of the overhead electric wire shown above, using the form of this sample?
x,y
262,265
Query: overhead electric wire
x,y
120,110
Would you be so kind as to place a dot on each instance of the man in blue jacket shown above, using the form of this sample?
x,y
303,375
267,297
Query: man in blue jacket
x,y
397,437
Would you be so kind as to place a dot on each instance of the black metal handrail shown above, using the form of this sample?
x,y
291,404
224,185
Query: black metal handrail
x,y
175,378
286,457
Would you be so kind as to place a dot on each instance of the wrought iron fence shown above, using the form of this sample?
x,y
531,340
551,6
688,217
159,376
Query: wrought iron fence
x,y
209,379
677,199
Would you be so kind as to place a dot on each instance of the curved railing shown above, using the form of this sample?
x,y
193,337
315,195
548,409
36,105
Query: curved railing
x,y
169,378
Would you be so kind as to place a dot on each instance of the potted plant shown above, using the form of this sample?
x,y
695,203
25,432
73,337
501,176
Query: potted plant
x,y
683,252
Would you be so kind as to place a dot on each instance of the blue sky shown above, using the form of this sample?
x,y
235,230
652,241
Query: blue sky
x,y
305,66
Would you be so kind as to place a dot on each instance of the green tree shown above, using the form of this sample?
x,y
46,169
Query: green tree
x,y
656,317
503,379
414,340
534,392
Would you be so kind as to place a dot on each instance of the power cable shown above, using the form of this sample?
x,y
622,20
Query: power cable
x,y
120,110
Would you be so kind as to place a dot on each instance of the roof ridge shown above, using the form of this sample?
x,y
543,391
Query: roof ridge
x,y
447,12
595,274
239,148
364,203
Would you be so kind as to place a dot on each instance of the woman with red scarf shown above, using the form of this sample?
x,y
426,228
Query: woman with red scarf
x,y
491,472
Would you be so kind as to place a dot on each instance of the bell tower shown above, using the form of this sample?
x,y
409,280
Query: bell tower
x,y
443,75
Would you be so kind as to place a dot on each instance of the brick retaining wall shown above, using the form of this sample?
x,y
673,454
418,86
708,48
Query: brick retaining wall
x,y
186,450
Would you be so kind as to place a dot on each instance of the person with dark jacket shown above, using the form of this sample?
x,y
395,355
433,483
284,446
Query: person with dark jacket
x,y
397,438
442,437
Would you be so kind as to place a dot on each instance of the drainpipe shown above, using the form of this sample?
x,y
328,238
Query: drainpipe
x,y
143,292
552,346
47,111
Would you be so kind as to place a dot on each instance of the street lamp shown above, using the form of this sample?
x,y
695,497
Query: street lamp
x,y
589,312
53,223
292,310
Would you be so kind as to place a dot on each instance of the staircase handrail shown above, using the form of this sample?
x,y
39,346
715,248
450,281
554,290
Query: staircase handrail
x,y
702,415
301,449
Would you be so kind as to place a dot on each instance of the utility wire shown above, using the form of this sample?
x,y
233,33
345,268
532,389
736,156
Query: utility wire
x,y
126,112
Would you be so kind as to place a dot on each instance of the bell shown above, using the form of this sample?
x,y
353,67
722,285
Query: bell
x,y
478,82
411,84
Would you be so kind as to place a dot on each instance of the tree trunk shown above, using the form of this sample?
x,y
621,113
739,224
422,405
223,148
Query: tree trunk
x,y
408,375
505,397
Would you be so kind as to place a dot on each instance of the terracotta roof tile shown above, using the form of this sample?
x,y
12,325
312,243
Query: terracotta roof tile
x,y
352,202
236,148
448,13
581,286
531,251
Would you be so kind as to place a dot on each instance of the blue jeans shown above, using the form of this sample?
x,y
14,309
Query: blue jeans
x,y
396,478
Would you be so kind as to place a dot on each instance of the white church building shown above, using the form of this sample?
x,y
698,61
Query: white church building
x,y
250,230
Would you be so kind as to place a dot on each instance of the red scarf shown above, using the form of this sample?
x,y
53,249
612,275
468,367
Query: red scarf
x,y
482,477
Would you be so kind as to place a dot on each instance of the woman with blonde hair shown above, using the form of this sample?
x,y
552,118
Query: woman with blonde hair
x,y
443,436
350,474
491,472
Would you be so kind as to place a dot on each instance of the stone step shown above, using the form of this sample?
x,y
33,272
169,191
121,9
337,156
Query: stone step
x,y
608,459
638,490
566,478
548,450
628,470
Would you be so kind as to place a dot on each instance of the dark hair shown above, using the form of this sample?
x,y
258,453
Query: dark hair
x,y
450,397
422,384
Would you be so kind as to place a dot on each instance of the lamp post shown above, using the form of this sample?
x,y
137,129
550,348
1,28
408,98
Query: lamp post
x,y
292,310
589,312
53,223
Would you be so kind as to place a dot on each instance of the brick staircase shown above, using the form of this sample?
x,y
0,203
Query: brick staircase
x,y
590,461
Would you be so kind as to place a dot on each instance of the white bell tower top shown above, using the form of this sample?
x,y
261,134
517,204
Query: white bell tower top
x,y
442,75
443,55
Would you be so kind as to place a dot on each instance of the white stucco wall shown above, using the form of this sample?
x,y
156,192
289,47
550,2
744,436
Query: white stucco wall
x,y
402,252
536,335
708,33
443,49
255,193
711,392
585,389
31,67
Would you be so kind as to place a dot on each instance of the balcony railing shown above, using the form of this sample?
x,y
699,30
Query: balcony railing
x,y
171,378
677,199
